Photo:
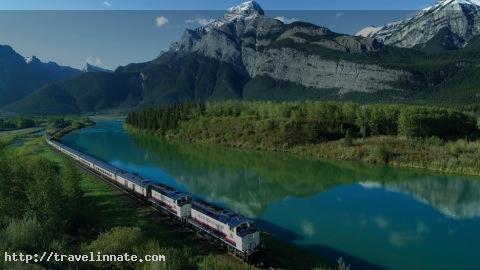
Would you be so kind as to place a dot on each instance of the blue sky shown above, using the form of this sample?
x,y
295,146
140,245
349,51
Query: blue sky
x,y
109,33
212,4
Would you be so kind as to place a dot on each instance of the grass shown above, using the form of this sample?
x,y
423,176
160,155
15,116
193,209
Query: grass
x,y
458,157
8,137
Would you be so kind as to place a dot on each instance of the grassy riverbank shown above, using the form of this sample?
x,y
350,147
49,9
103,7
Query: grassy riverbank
x,y
429,138
457,157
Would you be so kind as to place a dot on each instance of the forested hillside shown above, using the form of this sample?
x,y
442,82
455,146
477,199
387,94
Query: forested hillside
x,y
89,92
19,76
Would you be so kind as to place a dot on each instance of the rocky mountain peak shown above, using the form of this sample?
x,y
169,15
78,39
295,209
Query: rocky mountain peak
x,y
32,60
222,39
448,24
246,9
450,5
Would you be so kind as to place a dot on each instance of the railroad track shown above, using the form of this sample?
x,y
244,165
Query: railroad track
x,y
261,264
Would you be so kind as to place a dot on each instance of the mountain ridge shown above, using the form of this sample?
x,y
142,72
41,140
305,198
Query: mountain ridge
x,y
453,22
248,55
19,76
92,68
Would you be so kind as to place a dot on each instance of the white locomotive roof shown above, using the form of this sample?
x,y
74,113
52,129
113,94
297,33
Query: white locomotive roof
x,y
168,191
103,165
221,214
134,178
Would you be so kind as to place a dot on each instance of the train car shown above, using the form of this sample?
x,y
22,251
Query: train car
x,y
134,182
49,141
70,152
105,169
171,200
54,144
120,179
238,231
86,161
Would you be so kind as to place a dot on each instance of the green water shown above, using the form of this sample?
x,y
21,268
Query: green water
x,y
374,216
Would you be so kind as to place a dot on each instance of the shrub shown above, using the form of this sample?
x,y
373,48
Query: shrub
x,y
26,234
347,141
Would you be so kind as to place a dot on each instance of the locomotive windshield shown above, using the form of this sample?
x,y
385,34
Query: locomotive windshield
x,y
184,200
245,228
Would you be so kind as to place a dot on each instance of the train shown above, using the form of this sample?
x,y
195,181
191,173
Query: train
x,y
228,229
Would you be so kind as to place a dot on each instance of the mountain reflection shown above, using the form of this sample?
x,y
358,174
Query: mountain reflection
x,y
248,181
456,198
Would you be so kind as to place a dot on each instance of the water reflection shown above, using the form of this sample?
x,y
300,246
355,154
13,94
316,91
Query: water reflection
x,y
380,214
248,181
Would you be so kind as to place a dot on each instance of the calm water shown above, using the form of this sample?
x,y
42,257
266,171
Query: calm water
x,y
391,218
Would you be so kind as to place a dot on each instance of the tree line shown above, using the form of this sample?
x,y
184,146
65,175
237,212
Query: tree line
x,y
19,122
313,120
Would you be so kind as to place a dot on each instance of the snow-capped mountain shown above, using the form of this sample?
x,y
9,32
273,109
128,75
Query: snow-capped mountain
x,y
255,45
448,24
246,10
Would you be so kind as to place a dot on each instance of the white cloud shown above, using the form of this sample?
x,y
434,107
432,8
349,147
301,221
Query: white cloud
x,y
287,20
108,4
400,239
201,21
96,61
161,21
381,222
422,228
308,228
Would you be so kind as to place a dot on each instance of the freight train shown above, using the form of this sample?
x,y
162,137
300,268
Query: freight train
x,y
230,230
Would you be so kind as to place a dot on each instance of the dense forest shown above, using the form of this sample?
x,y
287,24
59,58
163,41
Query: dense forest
x,y
429,137
312,122
18,122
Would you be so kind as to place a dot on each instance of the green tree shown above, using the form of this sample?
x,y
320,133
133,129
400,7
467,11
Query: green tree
x,y
45,194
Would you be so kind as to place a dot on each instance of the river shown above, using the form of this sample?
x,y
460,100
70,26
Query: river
x,y
387,217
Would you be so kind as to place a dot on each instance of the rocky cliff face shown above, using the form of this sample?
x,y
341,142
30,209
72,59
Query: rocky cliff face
x,y
317,72
449,23
258,45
